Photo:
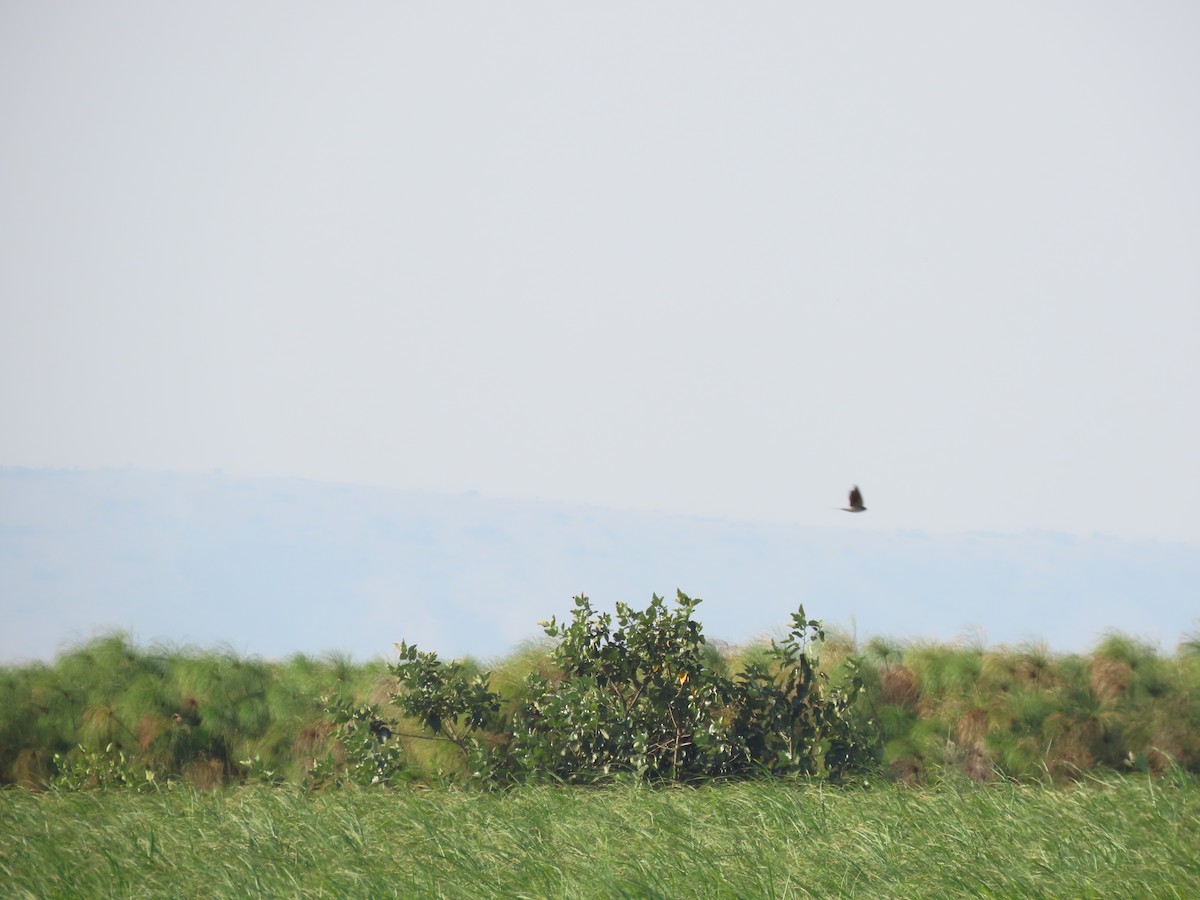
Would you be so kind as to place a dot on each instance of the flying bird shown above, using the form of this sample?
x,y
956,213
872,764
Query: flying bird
x,y
856,504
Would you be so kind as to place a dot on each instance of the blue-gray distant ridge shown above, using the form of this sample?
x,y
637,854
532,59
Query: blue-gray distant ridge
x,y
278,566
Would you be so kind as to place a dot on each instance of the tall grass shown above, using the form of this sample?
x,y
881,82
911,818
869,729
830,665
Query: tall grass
x,y
1110,837
184,712
1027,713
203,717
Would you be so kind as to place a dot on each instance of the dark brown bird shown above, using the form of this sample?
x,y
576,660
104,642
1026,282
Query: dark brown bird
x,y
856,504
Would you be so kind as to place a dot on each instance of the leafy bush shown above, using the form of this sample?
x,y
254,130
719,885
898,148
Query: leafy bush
x,y
370,753
449,702
84,770
642,698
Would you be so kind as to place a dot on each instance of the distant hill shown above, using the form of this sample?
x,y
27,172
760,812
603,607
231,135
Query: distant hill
x,y
275,566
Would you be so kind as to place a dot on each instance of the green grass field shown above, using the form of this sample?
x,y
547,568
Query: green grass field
x,y
1116,837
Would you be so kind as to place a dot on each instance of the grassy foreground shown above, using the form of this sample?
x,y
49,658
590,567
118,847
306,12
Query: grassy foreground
x,y
1130,837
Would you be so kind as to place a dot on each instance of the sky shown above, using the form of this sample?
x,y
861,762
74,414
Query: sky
x,y
703,258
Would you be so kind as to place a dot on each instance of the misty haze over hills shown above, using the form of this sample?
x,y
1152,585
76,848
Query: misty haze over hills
x,y
278,566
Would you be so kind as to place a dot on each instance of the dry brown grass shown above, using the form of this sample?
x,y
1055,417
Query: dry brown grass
x,y
898,687
1109,678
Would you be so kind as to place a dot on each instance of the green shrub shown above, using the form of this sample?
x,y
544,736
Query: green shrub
x,y
645,697
85,770
370,751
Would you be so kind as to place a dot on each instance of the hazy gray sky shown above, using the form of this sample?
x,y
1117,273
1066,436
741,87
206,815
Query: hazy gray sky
x,y
707,258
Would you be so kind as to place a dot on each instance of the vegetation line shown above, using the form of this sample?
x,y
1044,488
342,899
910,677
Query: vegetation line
x,y
640,694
